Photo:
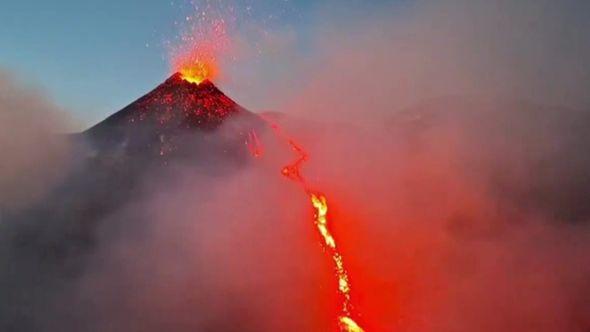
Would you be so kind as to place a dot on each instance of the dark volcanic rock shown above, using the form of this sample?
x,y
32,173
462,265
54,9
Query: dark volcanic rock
x,y
160,120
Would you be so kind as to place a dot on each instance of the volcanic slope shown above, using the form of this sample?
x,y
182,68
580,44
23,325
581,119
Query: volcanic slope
x,y
160,120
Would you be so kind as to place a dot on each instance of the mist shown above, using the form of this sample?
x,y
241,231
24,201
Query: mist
x,y
33,154
450,142
395,55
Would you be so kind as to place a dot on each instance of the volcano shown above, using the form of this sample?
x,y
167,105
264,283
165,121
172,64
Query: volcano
x,y
161,119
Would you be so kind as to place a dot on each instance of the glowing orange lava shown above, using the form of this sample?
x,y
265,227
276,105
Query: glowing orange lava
x,y
320,204
198,71
196,55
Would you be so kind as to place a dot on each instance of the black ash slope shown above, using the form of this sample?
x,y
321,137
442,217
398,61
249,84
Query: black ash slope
x,y
159,120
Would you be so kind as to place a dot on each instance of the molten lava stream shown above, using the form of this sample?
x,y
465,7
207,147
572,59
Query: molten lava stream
x,y
320,204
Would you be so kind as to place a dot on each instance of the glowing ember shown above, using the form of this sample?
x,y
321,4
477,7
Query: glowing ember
x,y
196,60
203,40
198,72
320,205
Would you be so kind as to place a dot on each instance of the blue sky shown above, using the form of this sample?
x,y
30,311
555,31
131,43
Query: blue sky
x,y
94,57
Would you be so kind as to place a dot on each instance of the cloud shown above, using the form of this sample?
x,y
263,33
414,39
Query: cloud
x,y
361,63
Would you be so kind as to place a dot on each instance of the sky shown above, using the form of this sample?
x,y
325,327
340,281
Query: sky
x,y
94,57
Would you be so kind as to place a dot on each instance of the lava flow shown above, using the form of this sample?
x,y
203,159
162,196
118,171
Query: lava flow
x,y
196,61
320,205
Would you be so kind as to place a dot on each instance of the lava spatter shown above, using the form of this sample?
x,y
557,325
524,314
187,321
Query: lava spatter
x,y
159,122
177,103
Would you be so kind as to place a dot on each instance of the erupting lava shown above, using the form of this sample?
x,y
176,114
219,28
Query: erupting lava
x,y
320,205
201,44
198,71
195,59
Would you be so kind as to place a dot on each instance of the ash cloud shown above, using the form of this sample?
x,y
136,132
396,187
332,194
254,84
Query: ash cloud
x,y
451,144
35,158
141,242
461,179
462,216
32,151
397,55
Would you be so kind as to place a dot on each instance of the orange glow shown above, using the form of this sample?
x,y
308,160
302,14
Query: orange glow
x,y
198,72
349,325
319,203
204,39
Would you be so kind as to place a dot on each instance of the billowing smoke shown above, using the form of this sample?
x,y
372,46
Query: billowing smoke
x,y
397,55
450,140
461,182
35,159
32,153
473,217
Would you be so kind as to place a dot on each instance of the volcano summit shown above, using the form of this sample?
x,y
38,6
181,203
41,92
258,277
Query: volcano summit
x,y
174,104
175,108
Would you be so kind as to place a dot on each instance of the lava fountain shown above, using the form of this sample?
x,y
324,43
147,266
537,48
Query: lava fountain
x,y
196,55
196,59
